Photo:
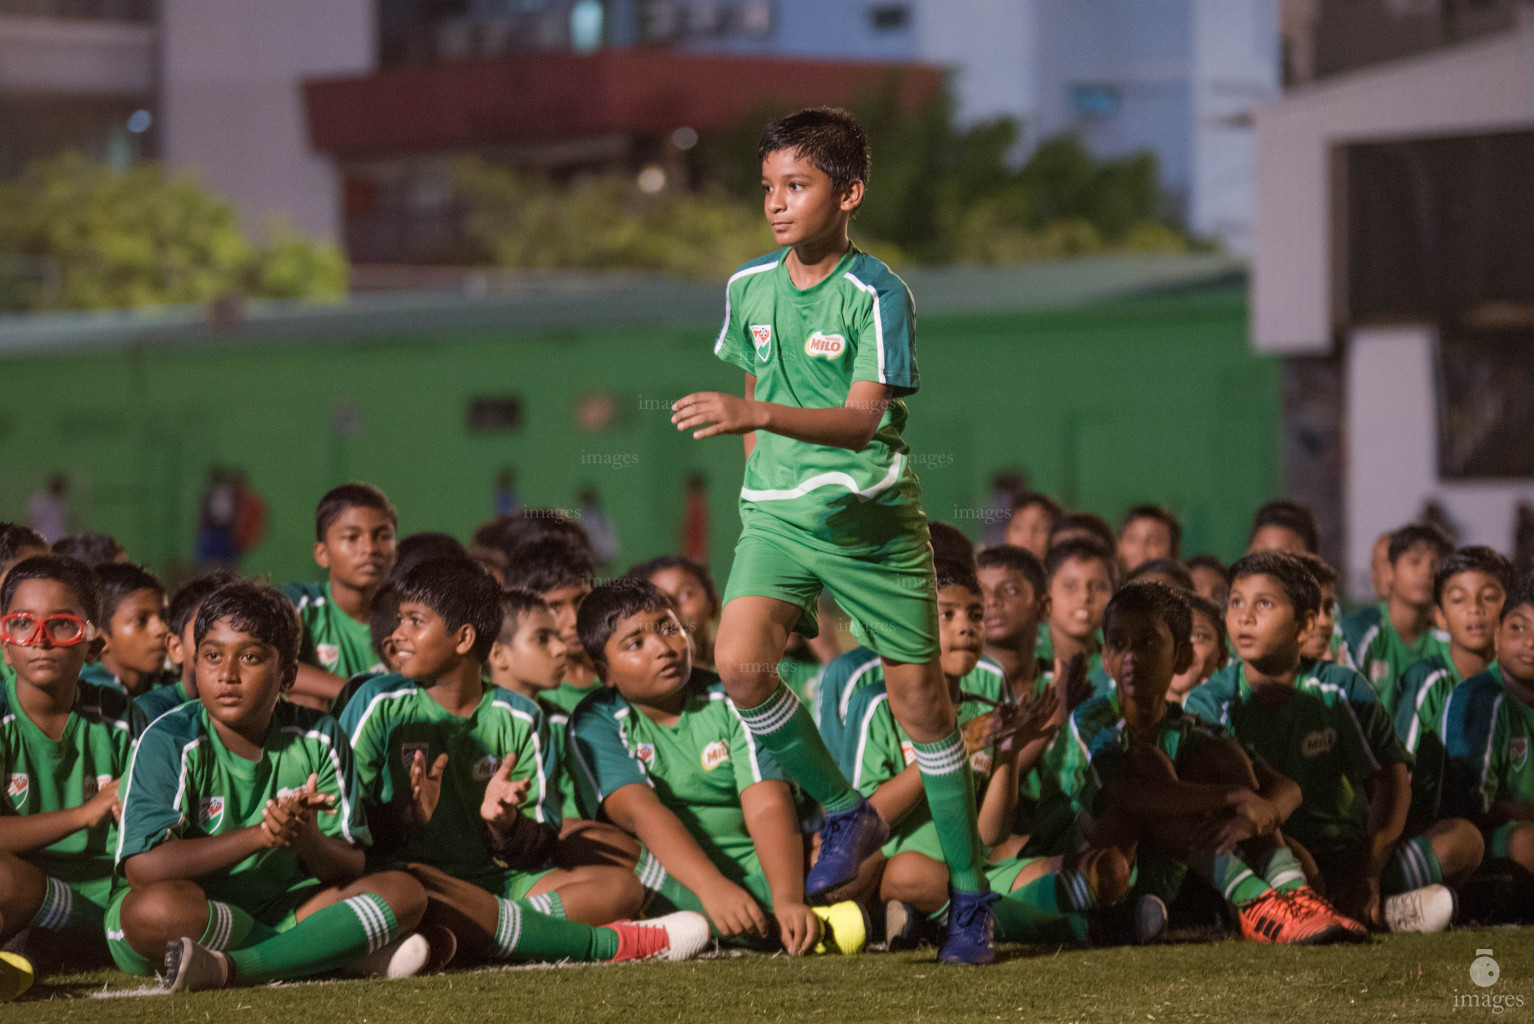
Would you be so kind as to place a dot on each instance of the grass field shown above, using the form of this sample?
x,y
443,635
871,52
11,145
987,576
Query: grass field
x,y
1399,978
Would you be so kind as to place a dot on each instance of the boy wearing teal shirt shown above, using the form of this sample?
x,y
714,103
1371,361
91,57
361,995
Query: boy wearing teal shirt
x,y
1385,640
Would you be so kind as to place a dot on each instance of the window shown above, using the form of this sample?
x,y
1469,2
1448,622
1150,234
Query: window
x,y
890,17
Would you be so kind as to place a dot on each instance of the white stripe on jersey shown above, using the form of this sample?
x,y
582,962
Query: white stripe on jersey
x,y
719,342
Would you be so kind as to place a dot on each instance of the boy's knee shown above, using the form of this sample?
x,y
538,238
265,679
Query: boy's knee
x,y
913,878
1466,843
1520,847
1222,762
161,913
405,895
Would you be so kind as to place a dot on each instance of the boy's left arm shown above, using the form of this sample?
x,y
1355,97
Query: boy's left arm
x,y
769,811
1389,790
851,425
331,845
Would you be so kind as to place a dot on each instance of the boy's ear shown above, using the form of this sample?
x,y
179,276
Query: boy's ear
x,y
173,648
1306,622
852,197
464,639
1044,608
1182,660
321,554
289,676
500,656
1439,621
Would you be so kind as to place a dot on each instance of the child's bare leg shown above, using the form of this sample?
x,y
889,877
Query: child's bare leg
x,y
1520,851
594,895
1459,848
399,889
916,879
161,913
463,908
752,636
598,843
22,890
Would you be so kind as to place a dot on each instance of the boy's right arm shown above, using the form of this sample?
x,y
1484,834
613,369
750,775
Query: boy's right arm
x,y
315,687
22,833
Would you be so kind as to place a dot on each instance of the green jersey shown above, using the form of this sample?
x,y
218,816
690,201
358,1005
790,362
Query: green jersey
x,y
806,347
567,696
1419,695
97,674
697,767
43,775
1487,731
392,717
333,640
184,783
1330,736
1373,647
562,759
154,703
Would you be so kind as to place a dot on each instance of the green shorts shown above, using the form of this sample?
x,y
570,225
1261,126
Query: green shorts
x,y
891,601
275,917
1497,838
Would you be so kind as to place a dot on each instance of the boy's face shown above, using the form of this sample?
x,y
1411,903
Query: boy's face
x,y
424,646
137,634
1472,602
1141,657
1012,609
691,598
1262,625
799,200
1277,538
239,678
1029,529
1144,540
44,664
960,625
648,656
565,602
1208,656
536,655
1318,641
1515,644
359,548
181,649
1411,575
1380,573
1078,592
1210,585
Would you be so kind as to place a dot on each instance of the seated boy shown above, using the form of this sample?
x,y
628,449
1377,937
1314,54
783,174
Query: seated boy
x,y
1139,772
64,745
455,774
1034,516
697,602
1081,580
1386,639
1211,580
1322,726
180,642
1210,651
94,549
355,527
666,758
16,543
560,572
1162,570
1284,525
383,618
1150,532
133,631
1488,729
242,828
1324,641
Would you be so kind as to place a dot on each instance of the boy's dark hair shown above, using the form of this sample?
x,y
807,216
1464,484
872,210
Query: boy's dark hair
x,y
71,572
383,618
1477,558
507,533
191,594
94,549
610,604
644,570
1030,498
338,499
953,572
255,609
515,603
118,580
1208,562
949,542
16,538
1291,515
1168,604
1082,548
1326,576
1214,613
827,137
426,547
462,593
550,564
1087,522
1520,595
1165,567
1010,556
1162,515
1408,537
1299,585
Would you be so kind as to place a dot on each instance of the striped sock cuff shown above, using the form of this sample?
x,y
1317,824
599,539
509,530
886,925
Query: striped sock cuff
x,y
549,904
508,929
58,903
771,714
944,757
1075,894
220,927
377,919
1417,863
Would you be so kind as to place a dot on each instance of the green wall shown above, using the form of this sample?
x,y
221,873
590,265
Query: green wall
x,y
1106,405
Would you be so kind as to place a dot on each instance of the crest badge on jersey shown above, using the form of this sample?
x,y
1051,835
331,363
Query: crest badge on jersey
x,y
761,337
715,754
826,346
908,752
329,654
17,787
211,813
646,754
1518,752
407,752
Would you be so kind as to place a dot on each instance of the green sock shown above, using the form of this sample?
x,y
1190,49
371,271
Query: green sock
x,y
229,927
329,938
1283,871
1020,919
1231,876
524,934
950,792
549,905
782,725
1416,865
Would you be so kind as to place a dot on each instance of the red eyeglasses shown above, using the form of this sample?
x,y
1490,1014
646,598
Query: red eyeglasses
x,y
60,630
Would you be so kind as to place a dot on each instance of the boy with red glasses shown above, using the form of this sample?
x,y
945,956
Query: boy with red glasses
x,y
63,746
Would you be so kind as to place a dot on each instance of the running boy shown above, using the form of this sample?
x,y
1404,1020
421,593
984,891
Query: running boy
x,y
1386,639
355,530
63,747
133,631
825,335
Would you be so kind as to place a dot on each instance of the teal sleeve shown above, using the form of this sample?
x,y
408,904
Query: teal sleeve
x,y
367,729
337,771
149,811
1475,737
886,341
874,747
605,763
733,344
539,753
1203,703
1375,725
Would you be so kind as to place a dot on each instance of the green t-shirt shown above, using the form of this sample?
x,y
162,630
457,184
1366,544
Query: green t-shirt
x,y
42,775
697,767
806,347
567,697
392,717
1488,732
1329,737
563,760
1419,695
97,674
184,783
1373,647
154,703
333,640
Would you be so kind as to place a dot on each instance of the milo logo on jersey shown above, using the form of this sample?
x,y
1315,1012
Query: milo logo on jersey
x,y
1318,743
329,654
761,337
210,814
980,763
1518,752
1379,671
484,768
715,754
17,788
826,346
407,752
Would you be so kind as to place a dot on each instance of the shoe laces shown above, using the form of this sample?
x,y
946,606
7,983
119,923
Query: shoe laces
x,y
968,914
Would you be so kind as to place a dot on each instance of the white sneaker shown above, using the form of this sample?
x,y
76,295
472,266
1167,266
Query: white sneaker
x,y
678,936
402,958
193,968
1428,909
